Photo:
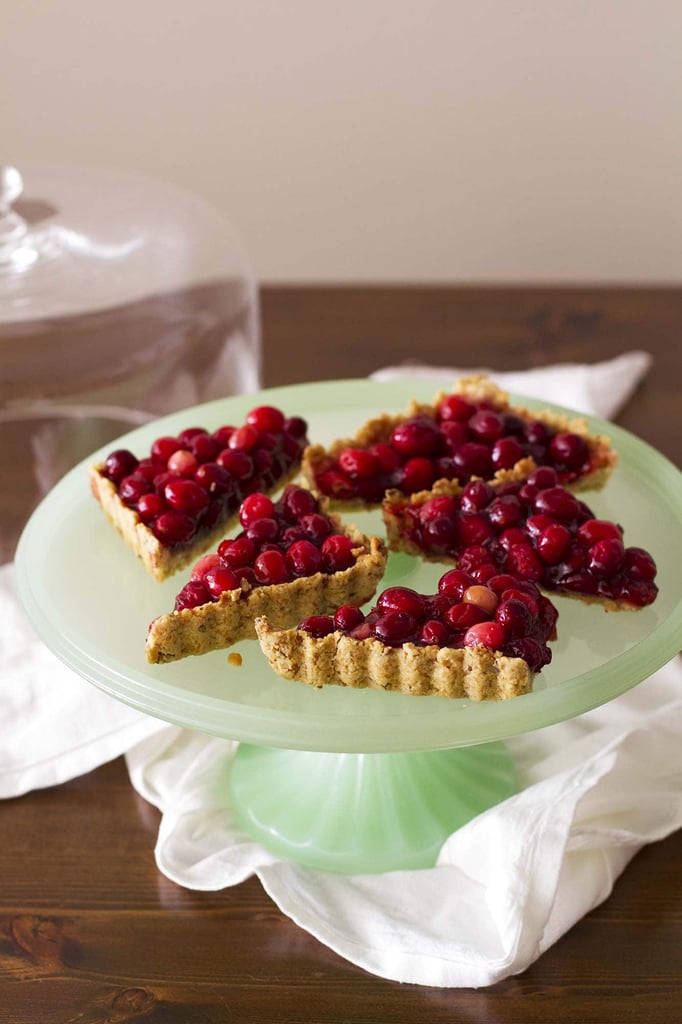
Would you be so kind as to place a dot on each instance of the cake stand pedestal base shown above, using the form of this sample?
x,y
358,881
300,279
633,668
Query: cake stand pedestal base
x,y
365,813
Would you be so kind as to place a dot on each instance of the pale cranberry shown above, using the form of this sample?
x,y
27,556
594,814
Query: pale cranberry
x,y
317,625
482,597
118,464
185,496
337,553
303,558
347,618
266,418
402,599
485,634
174,527
358,462
192,595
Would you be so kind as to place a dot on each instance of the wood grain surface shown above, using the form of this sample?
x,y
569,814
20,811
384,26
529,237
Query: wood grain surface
x,y
91,932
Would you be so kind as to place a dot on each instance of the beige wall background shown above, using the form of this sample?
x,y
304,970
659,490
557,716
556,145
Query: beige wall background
x,y
472,140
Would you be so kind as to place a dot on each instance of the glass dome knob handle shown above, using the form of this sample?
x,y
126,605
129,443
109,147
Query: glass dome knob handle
x,y
12,226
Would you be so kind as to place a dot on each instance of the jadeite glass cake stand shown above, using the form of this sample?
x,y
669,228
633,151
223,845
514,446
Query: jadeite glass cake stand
x,y
348,780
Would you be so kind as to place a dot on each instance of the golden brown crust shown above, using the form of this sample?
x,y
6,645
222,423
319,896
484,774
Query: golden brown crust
x,y
159,560
218,625
337,659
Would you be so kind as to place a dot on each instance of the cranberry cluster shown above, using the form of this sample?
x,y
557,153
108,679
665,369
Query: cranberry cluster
x,y
189,484
537,531
462,440
503,614
280,541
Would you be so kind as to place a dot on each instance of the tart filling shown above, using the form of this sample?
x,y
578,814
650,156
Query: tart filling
x,y
290,560
473,432
534,530
484,642
180,498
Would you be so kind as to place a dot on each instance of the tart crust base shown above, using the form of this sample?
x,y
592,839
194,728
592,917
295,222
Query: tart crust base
x,y
218,625
337,659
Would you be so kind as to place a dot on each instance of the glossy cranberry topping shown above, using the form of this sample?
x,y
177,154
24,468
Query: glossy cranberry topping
x,y
535,531
463,613
459,439
189,484
281,541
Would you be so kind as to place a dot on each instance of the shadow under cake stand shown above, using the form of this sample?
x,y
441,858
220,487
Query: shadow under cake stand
x,y
340,779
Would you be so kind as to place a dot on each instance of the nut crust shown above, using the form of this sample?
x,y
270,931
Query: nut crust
x,y
472,672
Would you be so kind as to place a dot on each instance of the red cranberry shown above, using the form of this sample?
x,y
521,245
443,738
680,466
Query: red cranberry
x,y
568,450
476,495
118,464
506,453
439,535
204,447
523,561
473,459
436,508
219,579
557,502
394,628
454,582
473,556
337,553
237,463
640,563
543,478
455,433
501,582
416,436
222,435
185,496
593,530
347,617
536,525
295,426
187,435
174,528
638,593
244,438
335,484
536,432
607,557
482,573
316,527
317,625
298,502
387,457
149,506
505,511
516,594
266,418
486,426
485,634
256,506
182,462
474,529
270,567
402,599
205,563
455,407
358,462
214,478
531,651
262,531
434,633
462,616
237,552
131,488
163,448
418,474
192,595
553,543
303,558
515,618
151,468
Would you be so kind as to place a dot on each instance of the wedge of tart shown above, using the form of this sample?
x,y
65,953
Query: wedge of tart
x,y
468,640
534,530
183,495
472,432
290,560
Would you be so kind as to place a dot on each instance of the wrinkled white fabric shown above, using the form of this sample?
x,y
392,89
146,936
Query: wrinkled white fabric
x,y
507,885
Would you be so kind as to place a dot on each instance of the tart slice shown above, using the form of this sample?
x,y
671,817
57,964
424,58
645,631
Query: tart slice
x,y
473,432
181,498
290,560
484,642
534,530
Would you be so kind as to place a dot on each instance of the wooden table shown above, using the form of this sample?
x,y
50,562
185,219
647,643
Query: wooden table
x,y
91,932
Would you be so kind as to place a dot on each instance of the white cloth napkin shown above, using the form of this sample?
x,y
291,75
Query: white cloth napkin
x,y
506,886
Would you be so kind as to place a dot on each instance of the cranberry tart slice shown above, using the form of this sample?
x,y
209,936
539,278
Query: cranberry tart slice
x,y
535,530
473,432
290,560
484,642
183,495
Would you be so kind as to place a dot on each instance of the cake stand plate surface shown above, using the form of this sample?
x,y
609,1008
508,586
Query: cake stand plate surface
x,y
90,601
